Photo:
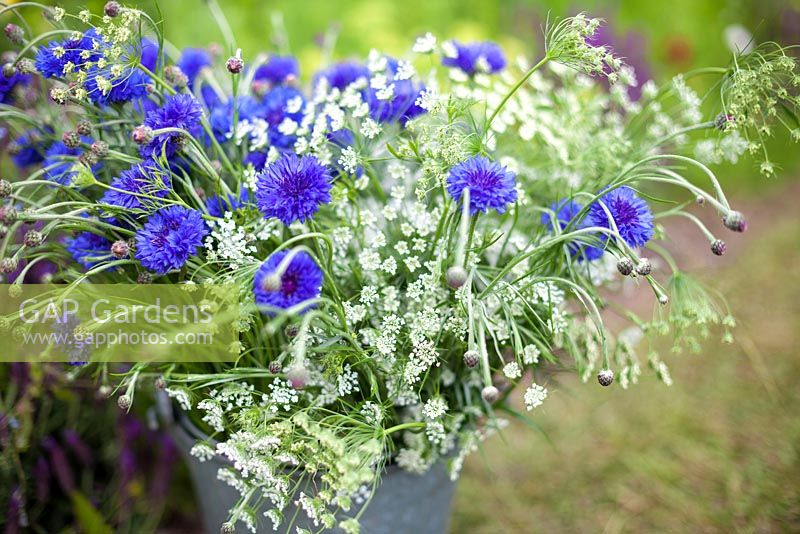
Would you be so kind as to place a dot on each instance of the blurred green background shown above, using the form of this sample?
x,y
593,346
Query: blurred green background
x,y
719,451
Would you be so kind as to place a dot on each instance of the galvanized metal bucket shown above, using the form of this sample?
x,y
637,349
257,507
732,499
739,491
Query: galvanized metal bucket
x,y
403,503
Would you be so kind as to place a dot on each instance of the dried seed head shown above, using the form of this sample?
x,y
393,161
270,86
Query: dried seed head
x,y
89,158
275,367
456,276
5,189
124,402
644,268
490,394
605,377
15,34
160,384
8,265
718,247
71,139
83,127
723,120
735,221
234,64
26,66
142,135
120,249
175,76
33,238
227,528
8,215
291,331
625,266
144,278
100,149
663,300
112,9
471,358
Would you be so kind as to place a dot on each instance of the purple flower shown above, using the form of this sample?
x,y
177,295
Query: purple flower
x,y
129,85
50,61
402,106
301,281
632,46
292,189
491,185
567,212
28,149
179,111
342,74
169,237
278,69
630,213
279,104
476,57
192,61
217,205
221,115
141,179
7,86
89,249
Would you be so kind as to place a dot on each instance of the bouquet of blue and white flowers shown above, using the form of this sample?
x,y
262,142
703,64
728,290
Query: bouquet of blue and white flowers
x,y
411,238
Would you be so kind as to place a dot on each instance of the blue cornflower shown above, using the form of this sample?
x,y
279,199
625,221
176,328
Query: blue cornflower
x,y
60,167
149,54
567,212
179,111
476,57
192,61
169,237
217,205
50,60
278,69
491,185
129,85
257,159
28,149
279,104
292,189
89,249
342,74
7,86
301,281
402,106
631,214
140,179
221,115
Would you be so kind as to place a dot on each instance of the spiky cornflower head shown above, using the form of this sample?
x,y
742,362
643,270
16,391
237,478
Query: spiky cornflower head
x,y
300,281
567,212
491,185
631,214
8,265
84,127
718,247
51,59
71,139
99,149
293,188
169,237
193,61
88,248
486,57
278,70
644,268
138,187
605,377
179,111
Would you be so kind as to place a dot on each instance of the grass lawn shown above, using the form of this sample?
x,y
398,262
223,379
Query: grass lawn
x,y
719,451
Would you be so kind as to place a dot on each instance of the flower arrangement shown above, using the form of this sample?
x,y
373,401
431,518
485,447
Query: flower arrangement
x,y
412,239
